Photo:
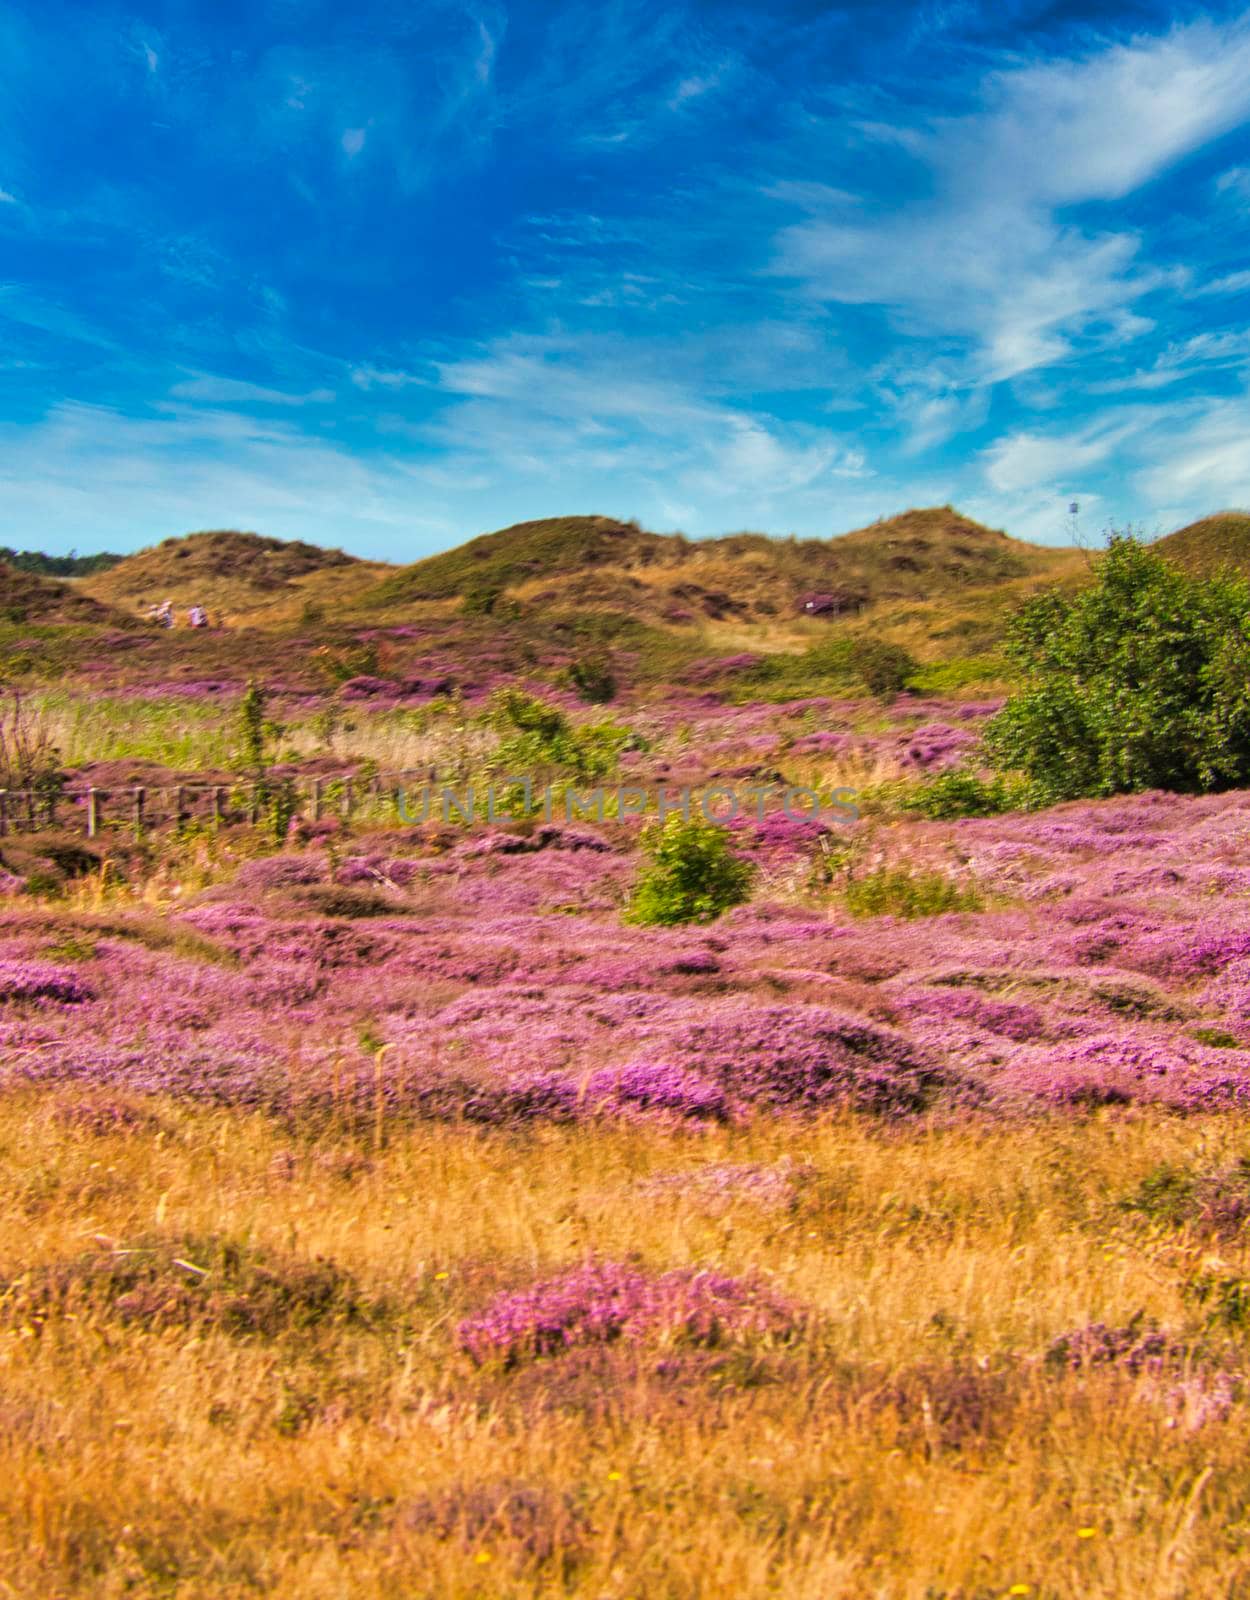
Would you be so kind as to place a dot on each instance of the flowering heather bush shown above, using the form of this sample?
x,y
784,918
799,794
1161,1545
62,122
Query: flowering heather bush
x,y
937,746
1213,1201
279,872
776,833
602,1302
807,1057
41,980
658,1086
1012,1021
1194,1403
1132,1348
378,869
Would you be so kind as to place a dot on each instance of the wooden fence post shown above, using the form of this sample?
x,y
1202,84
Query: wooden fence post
x,y
217,803
93,813
139,796
315,803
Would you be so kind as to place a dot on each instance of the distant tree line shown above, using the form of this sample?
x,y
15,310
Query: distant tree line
x,y
70,566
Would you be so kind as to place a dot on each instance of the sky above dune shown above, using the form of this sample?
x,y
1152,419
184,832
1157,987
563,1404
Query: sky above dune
x,y
388,275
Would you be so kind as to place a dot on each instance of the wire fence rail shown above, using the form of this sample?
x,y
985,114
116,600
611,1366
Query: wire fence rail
x,y
141,807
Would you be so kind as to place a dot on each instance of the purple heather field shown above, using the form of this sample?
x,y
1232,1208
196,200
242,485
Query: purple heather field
x,y
1105,959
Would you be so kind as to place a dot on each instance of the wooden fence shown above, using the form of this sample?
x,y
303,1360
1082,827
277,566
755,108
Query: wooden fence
x,y
140,807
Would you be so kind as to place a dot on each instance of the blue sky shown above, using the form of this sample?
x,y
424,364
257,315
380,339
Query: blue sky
x,y
391,274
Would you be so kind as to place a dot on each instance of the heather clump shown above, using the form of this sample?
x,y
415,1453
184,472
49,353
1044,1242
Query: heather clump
x,y
657,1086
957,1405
193,1282
42,980
1210,1200
1007,1018
1194,1403
602,1302
1134,1347
103,1115
279,872
807,1057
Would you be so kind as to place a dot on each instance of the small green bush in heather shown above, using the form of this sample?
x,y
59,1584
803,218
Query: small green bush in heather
x,y
593,678
905,892
692,875
884,668
963,794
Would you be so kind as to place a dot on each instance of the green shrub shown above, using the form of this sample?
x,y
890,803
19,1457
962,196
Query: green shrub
x,y
480,599
540,735
593,678
337,664
884,668
252,730
1141,681
1165,1194
962,794
949,677
692,874
904,892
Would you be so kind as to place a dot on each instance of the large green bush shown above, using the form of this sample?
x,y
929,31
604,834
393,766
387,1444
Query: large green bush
x,y
692,874
1141,681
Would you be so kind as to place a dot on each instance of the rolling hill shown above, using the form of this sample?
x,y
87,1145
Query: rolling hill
x,y
1210,543
239,577
598,563
29,597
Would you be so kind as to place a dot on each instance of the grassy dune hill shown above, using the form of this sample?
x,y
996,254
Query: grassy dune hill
x,y
551,546
1211,543
27,597
237,576
596,562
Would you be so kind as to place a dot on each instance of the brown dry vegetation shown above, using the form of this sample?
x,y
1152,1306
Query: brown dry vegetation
x,y
267,1399
747,577
240,577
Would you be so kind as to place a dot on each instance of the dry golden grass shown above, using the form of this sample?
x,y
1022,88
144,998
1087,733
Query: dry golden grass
x,y
187,1461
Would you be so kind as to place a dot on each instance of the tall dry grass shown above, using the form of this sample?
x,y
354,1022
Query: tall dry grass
x,y
188,1461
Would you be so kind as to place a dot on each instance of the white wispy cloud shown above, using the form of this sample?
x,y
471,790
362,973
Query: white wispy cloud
x,y
1056,462
1230,283
559,407
1205,462
1235,183
89,473
1182,359
214,390
987,250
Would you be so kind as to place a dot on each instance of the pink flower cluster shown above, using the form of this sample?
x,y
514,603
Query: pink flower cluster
x,y
605,1301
